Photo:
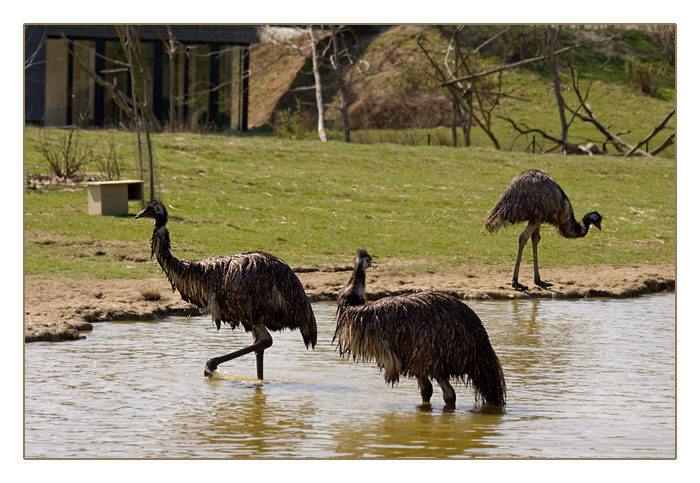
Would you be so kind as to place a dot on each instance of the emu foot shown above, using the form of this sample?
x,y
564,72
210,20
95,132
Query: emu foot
x,y
519,286
209,368
542,284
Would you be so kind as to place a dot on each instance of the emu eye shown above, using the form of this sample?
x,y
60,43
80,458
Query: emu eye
x,y
159,209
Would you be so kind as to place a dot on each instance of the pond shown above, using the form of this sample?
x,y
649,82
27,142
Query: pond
x,y
585,378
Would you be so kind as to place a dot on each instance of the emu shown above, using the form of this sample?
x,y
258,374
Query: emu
x,y
254,289
426,335
533,196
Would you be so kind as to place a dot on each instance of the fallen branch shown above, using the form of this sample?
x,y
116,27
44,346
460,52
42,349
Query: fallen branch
x,y
664,145
608,133
570,148
652,134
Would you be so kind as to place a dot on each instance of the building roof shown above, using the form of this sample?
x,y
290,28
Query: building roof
x,y
191,34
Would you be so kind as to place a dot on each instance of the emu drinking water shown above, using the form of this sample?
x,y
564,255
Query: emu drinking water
x,y
253,289
426,335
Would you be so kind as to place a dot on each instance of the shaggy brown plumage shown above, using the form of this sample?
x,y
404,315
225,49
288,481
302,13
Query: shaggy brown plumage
x,y
533,196
253,289
427,335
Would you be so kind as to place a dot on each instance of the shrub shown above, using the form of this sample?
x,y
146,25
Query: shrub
x,y
646,78
65,155
291,124
110,166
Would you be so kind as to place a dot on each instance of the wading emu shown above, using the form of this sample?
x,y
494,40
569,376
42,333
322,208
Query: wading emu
x,y
254,289
425,335
533,196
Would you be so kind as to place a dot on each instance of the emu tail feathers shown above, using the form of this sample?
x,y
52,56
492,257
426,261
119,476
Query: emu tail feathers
x,y
496,218
308,331
486,375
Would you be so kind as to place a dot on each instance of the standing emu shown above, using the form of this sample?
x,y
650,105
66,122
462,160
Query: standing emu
x,y
533,196
254,289
426,335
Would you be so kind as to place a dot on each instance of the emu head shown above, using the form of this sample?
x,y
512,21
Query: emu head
x,y
593,218
362,259
155,209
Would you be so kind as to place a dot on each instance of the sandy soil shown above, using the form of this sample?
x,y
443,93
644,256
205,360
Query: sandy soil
x,y
58,309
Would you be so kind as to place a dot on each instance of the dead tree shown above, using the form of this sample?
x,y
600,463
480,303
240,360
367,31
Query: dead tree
x,y
318,85
171,48
622,146
584,112
466,95
130,40
550,40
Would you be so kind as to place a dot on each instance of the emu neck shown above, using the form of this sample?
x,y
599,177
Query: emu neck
x,y
354,293
172,266
574,229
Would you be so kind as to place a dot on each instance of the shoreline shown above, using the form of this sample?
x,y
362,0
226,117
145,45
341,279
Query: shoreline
x,y
61,309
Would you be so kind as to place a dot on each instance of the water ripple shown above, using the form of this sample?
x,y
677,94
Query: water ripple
x,y
590,378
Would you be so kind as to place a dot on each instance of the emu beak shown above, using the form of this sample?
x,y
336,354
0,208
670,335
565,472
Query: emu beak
x,y
141,214
597,223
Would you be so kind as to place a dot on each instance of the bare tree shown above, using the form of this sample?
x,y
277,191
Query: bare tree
x,y
521,63
478,103
318,85
143,115
30,57
171,48
337,64
336,51
584,112
551,60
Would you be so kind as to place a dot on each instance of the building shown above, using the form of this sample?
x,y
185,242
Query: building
x,y
202,78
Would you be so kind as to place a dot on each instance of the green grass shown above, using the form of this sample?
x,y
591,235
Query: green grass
x,y
315,203
613,100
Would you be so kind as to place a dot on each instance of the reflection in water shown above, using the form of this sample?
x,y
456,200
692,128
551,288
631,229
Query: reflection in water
x,y
425,432
589,378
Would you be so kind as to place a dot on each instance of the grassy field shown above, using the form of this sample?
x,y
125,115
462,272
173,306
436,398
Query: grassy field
x,y
315,203
530,99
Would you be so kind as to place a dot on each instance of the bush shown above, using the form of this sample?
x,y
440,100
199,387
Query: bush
x,y
645,78
291,124
65,155
110,166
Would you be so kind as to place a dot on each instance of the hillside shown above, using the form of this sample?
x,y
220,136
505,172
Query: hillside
x,y
401,92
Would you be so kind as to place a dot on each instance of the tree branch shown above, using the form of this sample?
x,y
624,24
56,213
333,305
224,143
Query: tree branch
x,y
526,61
664,145
652,134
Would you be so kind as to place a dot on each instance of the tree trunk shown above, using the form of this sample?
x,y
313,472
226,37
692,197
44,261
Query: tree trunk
x,y
343,88
317,79
467,127
552,62
173,80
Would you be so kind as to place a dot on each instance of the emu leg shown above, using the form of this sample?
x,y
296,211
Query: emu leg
x,y
448,394
262,340
524,236
259,363
535,240
426,389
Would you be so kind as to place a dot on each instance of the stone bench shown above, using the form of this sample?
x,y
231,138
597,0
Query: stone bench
x,y
112,197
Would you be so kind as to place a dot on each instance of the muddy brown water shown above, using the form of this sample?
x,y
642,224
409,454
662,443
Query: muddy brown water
x,y
586,379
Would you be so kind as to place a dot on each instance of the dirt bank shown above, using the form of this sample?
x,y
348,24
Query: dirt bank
x,y
58,309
